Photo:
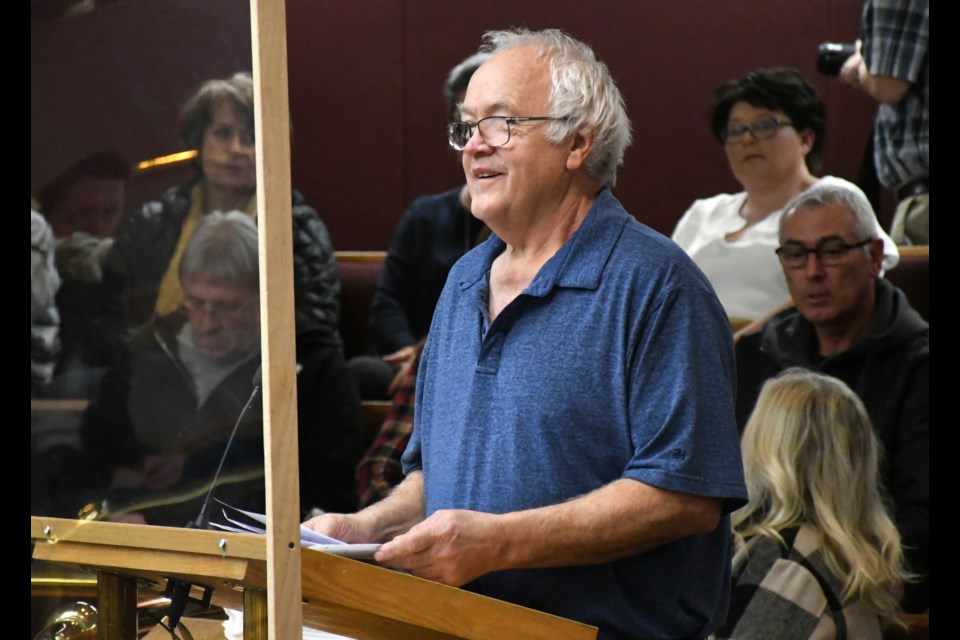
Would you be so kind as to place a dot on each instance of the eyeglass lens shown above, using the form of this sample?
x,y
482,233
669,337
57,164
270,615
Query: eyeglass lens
x,y
763,129
829,252
216,309
495,131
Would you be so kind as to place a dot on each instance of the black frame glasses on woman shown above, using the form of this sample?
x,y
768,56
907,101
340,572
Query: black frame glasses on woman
x,y
495,130
763,129
831,252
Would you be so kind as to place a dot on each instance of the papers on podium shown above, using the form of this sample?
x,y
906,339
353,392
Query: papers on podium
x,y
309,539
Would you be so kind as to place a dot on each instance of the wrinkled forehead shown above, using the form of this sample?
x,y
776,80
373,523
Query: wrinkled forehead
x,y
513,82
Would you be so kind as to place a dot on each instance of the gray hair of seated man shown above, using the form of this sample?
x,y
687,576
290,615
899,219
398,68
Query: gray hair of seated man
x,y
822,194
224,246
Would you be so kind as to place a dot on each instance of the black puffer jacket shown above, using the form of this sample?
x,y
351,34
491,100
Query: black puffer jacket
x,y
148,404
148,238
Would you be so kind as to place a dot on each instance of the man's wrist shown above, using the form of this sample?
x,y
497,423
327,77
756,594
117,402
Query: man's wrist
x,y
859,73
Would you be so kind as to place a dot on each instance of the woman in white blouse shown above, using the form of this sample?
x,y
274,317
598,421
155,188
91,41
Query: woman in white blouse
x,y
772,126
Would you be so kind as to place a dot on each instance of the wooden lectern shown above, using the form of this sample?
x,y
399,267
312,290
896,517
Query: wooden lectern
x,y
356,599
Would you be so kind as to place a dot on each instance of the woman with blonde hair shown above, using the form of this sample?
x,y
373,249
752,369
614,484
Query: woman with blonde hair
x,y
817,552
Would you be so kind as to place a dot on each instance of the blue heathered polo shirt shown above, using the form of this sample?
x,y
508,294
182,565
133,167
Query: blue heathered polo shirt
x,y
616,362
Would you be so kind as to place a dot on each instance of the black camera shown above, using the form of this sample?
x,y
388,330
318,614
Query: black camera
x,y
832,55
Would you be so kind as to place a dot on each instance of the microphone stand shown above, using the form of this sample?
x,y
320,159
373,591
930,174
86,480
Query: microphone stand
x,y
179,590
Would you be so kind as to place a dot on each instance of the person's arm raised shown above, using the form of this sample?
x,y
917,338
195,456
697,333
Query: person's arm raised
x,y
884,89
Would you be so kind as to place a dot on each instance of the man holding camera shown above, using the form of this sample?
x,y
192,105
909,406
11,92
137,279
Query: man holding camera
x,y
892,64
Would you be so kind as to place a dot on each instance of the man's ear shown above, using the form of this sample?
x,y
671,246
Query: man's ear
x,y
581,143
876,256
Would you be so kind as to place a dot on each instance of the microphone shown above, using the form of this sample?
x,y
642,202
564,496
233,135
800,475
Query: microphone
x,y
179,590
203,519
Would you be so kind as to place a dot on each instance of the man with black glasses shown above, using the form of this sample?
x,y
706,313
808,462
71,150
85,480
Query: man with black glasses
x,y
852,324
575,448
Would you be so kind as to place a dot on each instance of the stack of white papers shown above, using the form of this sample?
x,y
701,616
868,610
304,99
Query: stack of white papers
x,y
309,539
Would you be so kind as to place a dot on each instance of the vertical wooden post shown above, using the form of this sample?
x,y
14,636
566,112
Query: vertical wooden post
x,y
255,615
116,607
274,198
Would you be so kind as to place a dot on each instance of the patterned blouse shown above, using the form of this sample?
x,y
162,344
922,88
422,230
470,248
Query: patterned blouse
x,y
789,593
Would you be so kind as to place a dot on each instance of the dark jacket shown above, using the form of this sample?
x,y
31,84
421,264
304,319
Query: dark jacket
x,y
147,240
889,369
148,404
434,232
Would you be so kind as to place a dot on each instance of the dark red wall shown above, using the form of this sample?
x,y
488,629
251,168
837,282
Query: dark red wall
x,y
375,70
366,89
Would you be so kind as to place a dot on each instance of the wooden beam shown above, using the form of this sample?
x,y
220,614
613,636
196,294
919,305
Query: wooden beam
x,y
272,119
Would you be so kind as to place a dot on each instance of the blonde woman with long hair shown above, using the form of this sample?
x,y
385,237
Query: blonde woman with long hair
x,y
817,552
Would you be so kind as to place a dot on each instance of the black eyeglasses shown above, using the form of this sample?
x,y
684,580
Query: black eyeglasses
x,y
763,129
830,253
495,130
218,310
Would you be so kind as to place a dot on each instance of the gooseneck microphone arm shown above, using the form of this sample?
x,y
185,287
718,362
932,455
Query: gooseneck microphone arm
x,y
179,590
203,519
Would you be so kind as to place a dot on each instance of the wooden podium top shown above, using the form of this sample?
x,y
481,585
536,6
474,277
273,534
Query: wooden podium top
x,y
356,599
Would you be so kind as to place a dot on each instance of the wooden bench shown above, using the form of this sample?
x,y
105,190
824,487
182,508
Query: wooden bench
x,y
359,275
63,417
912,276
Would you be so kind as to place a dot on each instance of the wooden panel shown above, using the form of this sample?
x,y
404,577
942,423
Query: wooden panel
x,y
346,63
277,327
389,605
361,256
357,599
912,276
359,274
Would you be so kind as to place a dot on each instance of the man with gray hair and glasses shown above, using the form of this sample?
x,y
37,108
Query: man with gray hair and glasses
x,y
851,323
574,446
179,402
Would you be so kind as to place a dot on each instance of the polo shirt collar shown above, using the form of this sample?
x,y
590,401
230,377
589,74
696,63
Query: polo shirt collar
x,y
579,263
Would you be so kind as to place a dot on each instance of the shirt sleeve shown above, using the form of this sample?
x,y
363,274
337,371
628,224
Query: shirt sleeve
x,y
895,36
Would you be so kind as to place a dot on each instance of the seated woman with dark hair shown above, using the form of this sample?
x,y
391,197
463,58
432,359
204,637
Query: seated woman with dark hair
x,y
817,552
772,125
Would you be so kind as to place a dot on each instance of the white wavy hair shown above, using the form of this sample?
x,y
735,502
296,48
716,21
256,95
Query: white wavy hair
x,y
583,89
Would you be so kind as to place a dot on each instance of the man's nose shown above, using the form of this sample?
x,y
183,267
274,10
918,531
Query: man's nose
x,y
476,143
813,268
203,320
